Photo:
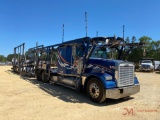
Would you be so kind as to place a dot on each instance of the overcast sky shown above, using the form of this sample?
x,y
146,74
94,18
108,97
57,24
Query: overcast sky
x,y
31,21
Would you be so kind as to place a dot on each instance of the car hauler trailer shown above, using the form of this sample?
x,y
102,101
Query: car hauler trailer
x,y
32,60
26,63
18,59
89,64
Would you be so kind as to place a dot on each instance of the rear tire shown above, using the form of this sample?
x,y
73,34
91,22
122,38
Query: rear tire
x,y
96,91
43,77
39,78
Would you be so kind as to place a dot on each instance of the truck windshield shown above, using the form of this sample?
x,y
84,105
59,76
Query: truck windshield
x,y
146,61
99,53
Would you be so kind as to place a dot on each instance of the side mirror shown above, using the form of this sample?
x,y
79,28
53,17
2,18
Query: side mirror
x,y
107,41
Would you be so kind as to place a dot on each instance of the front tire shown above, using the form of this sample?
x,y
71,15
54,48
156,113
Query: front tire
x,y
96,91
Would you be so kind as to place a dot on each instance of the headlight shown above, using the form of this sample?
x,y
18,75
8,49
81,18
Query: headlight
x,y
108,77
151,67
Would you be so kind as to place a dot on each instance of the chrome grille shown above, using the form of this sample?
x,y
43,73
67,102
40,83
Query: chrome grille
x,y
125,74
145,66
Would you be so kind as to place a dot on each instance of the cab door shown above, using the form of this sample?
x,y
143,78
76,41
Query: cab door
x,y
64,57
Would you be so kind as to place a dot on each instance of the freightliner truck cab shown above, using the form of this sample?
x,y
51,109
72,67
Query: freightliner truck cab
x,y
90,64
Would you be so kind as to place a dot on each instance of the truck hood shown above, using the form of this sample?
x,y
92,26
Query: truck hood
x,y
101,64
147,64
105,61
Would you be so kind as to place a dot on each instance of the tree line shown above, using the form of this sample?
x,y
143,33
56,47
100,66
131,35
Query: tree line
x,y
150,50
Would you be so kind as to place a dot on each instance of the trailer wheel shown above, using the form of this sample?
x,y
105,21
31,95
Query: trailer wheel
x,y
95,90
39,78
43,76
44,79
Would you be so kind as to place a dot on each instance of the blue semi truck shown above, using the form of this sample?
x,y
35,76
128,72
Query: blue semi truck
x,y
93,65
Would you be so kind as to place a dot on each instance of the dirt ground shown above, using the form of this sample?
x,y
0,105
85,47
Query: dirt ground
x,y
23,98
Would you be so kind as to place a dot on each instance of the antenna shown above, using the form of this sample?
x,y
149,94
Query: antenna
x,y
97,34
123,31
63,33
86,22
36,50
36,44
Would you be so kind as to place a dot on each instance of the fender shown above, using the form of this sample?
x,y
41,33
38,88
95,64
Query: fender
x,y
136,80
102,78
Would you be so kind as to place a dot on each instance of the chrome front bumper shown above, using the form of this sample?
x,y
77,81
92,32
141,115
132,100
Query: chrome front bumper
x,y
146,69
122,92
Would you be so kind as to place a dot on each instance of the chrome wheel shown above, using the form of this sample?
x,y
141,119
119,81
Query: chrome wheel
x,y
94,90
